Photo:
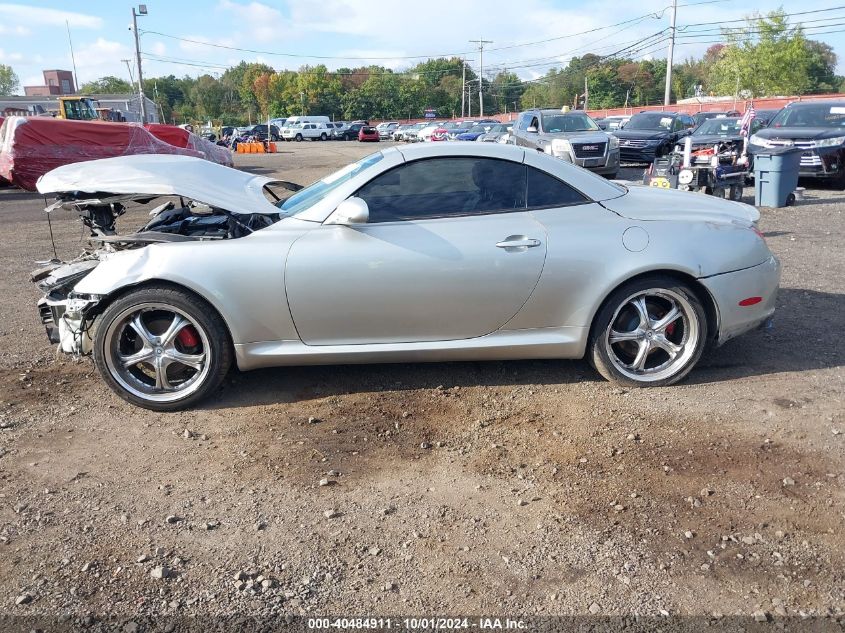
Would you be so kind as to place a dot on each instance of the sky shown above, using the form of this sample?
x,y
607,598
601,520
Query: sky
x,y
527,37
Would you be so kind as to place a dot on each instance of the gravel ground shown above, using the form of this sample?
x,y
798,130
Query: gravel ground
x,y
479,488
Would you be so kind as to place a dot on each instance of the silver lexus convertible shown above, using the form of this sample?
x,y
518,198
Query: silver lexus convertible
x,y
434,252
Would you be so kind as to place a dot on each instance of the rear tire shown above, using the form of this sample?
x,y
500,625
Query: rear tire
x,y
323,137
649,333
162,348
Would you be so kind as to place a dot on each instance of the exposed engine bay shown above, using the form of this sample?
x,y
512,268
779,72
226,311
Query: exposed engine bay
x,y
719,168
68,316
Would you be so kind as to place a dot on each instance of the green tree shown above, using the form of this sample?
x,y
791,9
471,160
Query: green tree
x,y
207,96
108,85
767,57
9,82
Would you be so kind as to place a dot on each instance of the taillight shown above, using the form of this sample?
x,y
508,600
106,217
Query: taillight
x,y
758,232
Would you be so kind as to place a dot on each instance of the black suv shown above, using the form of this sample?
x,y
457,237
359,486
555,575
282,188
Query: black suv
x,y
351,133
648,135
260,132
817,127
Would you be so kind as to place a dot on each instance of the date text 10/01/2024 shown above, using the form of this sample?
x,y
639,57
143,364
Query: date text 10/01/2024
x,y
415,624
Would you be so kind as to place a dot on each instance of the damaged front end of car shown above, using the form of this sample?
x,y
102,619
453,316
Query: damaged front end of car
x,y
174,214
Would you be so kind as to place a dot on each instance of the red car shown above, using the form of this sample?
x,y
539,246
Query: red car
x,y
440,134
368,133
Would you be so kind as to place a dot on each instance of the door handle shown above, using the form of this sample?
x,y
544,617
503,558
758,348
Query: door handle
x,y
523,242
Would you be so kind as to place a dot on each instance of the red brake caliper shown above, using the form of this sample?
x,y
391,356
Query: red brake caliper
x,y
188,336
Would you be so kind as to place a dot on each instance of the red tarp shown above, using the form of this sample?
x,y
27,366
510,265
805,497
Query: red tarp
x,y
32,146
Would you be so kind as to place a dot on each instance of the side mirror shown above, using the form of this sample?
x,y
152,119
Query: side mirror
x,y
531,129
349,212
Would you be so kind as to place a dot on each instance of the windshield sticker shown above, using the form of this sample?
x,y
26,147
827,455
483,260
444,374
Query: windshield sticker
x,y
665,121
837,110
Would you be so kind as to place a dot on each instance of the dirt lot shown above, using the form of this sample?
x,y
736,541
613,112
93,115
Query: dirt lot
x,y
476,488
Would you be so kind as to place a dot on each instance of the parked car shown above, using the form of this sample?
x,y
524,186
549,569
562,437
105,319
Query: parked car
x,y
651,134
260,132
612,122
554,263
570,136
385,129
350,132
474,132
368,133
425,132
817,127
495,133
765,116
718,130
302,131
701,117
399,131
335,129
410,135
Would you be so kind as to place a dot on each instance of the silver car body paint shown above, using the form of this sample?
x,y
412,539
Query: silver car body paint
x,y
303,291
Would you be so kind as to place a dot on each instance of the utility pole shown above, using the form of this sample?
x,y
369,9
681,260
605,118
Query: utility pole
x,y
667,93
463,86
72,59
481,42
142,10
586,93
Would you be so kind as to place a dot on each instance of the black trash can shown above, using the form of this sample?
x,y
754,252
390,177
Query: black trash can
x,y
776,176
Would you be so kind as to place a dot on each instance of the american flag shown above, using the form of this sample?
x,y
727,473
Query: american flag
x,y
745,121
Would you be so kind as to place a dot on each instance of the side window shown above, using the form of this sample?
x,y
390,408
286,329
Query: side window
x,y
523,121
544,190
444,187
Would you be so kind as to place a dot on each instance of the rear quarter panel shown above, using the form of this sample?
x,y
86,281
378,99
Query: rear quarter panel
x,y
587,259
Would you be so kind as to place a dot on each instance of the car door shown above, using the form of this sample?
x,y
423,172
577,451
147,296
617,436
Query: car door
x,y
449,253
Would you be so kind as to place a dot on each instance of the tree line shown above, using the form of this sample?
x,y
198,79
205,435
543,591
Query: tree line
x,y
766,57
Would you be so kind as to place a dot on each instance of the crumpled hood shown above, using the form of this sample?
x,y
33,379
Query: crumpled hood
x,y
652,203
163,175
712,139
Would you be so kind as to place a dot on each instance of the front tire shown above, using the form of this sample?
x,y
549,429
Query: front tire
x,y
649,333
162,348
299,138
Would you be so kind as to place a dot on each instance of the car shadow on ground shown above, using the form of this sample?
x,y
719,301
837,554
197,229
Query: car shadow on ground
x,y
294,384
804,336
805,323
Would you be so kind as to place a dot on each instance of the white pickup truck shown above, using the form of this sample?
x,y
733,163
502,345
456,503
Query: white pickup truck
x,y
300,131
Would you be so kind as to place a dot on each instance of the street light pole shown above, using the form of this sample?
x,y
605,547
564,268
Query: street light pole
x,y
142,10
481,42
666,94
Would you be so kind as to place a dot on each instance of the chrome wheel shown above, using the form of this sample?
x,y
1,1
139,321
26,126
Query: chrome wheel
x,y
157,352
652,335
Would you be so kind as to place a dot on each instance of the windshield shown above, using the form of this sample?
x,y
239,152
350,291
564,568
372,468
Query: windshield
x,y
306,198
498,129
649,121
816,115
718,127
575,122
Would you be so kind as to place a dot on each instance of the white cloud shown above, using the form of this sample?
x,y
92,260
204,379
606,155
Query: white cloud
x,y
39,16
14,30
262,22
159,48
199,44
10,57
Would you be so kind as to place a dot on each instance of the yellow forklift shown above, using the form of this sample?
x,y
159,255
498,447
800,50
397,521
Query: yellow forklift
x,y
77,108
